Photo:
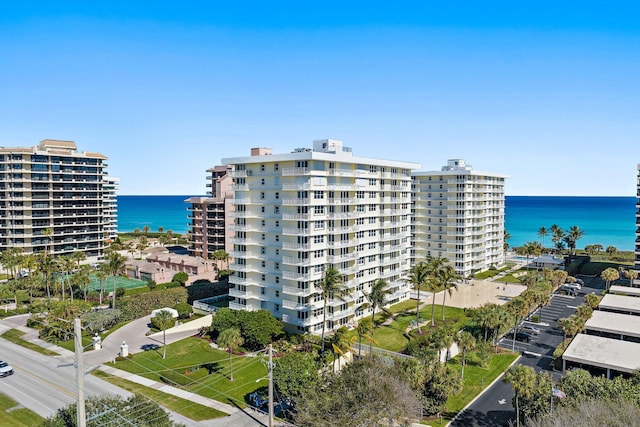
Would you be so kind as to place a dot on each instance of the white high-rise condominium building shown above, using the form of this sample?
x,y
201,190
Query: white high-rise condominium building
x,y
298,213
53,187
459,215
110,205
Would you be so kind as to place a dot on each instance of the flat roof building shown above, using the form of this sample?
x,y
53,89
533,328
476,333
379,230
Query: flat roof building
x,y
614,325
298,213
624,290
620,304
459,215
55,198
606,355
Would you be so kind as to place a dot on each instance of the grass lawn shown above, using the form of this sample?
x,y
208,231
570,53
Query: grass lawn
x,y
17,417
476,379
191,353
183,407
15,336
393,336
509,278
489,273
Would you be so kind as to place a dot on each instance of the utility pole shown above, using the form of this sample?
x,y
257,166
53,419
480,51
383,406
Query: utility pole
x,y
77,331
270,385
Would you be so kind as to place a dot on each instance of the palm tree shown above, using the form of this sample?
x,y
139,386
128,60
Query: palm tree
x,y
143,243
518,307
434,266
592,300
341,343
612,250
231,339
543,232
220,255
330,287
448,280
163,320
145,230
78,257
631,275
365,330
522,379
506,237
379,291
115,266
557,236
418,277
48,233
466,342
573,235
609,275
102,275
47,266
65,265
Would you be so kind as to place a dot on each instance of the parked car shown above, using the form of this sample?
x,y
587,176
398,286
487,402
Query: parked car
x,y
576,286
580,281
520,336
5,369
529,329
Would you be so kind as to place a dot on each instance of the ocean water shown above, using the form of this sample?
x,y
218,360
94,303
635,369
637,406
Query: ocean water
x,y
169,212
609,221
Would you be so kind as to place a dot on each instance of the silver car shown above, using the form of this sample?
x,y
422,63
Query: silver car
x,y
5,369
529,329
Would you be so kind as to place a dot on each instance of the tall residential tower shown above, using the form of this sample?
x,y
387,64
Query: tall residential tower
x,y
459,215
53,199
297,214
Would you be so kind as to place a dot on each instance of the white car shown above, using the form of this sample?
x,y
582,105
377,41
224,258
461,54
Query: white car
x,y
529,329
575,285
5,369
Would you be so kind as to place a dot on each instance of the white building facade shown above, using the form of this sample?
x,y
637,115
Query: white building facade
x,y
298,213
459,215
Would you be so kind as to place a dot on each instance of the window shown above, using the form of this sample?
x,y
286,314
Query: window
x,y
276,209
262,168
276,167
262,236
263,264
263,250
318,194
277,223
262,209
262,181
276,266
277,238
263,223
318,210
264,277
277,195
262,195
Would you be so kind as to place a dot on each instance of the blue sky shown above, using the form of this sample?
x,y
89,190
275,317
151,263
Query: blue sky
x,y
547,92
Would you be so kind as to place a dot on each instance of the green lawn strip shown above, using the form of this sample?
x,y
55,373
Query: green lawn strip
x,y
184,407
16,417
476,379
509,278
70,345
191,353
15,336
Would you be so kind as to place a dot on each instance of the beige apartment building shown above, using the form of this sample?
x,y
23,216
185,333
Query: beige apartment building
x,y
53,186
459,215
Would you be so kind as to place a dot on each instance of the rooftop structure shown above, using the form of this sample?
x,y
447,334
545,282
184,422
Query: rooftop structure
x,y
52,198
459,215
620,304
298,213
624,290
613,325
608,354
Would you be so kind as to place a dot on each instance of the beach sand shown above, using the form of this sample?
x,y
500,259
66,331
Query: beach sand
x,y
479,292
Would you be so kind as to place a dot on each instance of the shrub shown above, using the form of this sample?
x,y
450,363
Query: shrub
x,y
184,310
120,291
138,306
151,284
180,277
535,319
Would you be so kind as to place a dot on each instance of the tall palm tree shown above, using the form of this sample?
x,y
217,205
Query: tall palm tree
x,y
48,233
543,232
434,265
341,343
466,342
81,279
574,234
101,275
163,320
448,280
78,257
231,339
418,277
506,237
115,266
330,287
379,291
518,307
145,230
557,236
522,380
365,330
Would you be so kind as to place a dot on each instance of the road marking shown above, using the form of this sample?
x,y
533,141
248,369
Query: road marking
x,y
49,383
572,306
502,401
531,353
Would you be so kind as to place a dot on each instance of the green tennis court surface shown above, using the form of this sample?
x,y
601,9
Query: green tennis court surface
x,y
121,282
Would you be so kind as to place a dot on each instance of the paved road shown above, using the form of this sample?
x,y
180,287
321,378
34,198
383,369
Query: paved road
x,y
41,385
493,407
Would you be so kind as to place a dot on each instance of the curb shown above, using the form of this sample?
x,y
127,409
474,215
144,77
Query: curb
x,y
499,377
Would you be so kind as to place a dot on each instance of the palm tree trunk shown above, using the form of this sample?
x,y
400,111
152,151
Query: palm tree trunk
x,y
324,323
463,360
373,314
418,312
444,297
517,411
164,342
433,309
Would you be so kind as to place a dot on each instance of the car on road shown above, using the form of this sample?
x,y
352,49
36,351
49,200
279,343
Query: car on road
x,y
5,369
520,336
529,329
574,285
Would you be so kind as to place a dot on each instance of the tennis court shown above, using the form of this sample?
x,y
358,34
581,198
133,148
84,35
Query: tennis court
x,y
121,282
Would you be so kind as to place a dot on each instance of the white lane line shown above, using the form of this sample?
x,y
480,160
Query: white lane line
x,y
572,306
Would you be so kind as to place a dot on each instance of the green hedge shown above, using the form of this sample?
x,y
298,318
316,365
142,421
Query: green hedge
x,y
184,378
